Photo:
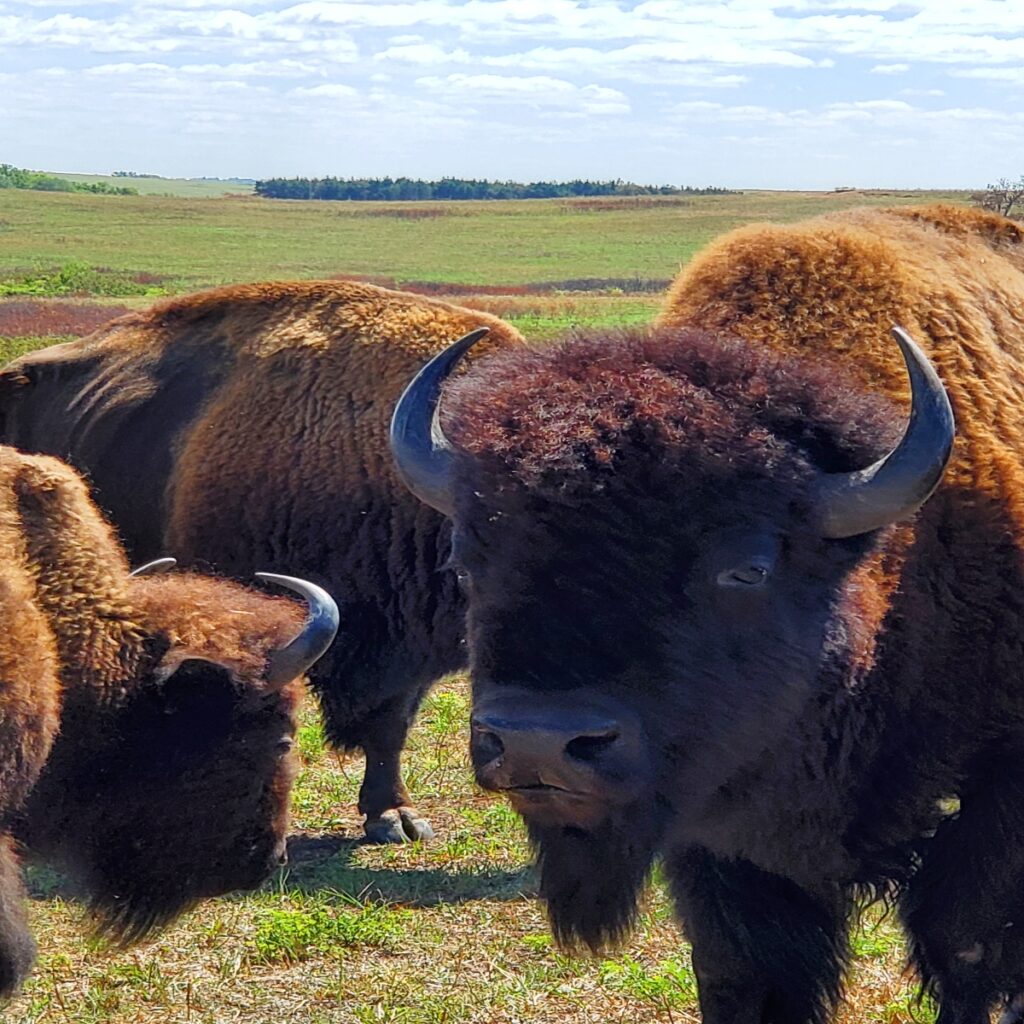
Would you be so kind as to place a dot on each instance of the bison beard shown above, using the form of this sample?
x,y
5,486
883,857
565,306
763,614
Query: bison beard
x,y
592,880
736,914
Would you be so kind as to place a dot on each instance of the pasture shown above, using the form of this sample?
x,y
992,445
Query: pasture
x,y
194,188
188,243
439,933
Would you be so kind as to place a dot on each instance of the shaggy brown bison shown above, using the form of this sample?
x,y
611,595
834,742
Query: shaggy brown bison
x,y
247,428
145,722
714,616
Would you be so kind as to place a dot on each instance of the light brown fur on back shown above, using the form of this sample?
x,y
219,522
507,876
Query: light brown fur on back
x,y
323,363
834,286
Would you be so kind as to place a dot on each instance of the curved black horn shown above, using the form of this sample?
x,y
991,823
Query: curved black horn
x,y
308,647
157,565
422,453
852,503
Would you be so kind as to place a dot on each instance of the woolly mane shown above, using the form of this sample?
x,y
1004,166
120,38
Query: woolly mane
x,y
217,619
622,399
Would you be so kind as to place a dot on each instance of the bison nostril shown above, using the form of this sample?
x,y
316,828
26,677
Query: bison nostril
x,y
590,748
487,745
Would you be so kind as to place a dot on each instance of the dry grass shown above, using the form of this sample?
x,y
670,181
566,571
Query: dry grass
x,y
442,932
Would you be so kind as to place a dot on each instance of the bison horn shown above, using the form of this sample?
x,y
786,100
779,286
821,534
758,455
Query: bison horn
x,y
157,565
422,453
897,485
308,647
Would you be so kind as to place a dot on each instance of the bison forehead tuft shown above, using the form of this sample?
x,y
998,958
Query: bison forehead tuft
x,y
670,397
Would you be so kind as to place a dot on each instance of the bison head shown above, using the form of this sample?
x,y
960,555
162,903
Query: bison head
x,y
177,788
657,534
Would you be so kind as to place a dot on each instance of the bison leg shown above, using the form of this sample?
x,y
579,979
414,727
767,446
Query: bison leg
x,y
964,906
383,798
764,950
357,717
17,950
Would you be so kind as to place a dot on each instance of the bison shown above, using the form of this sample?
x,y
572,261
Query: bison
x,y
146,722
246,428
729,608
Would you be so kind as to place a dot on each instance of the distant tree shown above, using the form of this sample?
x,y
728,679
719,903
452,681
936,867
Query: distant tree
x,y
1005,197
361,189
18,177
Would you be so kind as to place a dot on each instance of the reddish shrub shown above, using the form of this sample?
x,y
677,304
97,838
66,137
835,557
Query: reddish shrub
x,y
449,288
20,318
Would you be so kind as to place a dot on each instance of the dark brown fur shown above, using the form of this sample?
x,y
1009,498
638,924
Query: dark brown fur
x,y
804,738
142,749
246,428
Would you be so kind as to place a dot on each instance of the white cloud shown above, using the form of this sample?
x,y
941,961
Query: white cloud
x,y
536,91
331,90
423,53
1014,74
535,82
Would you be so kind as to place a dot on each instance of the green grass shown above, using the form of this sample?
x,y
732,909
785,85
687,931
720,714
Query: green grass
x,y
74,278
668,985
192,244
11,348
318,927
189,188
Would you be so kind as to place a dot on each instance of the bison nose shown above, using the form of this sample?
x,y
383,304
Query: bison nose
x,y
535,753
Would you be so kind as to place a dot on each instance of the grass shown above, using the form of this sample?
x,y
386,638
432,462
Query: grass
x,y
318,926
447,932
189,188
192,244
545,265
77,278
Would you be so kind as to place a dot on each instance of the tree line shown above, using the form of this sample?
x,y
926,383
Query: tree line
x,y
383,189
18,177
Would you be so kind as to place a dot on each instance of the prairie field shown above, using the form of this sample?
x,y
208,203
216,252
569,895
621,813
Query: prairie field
x,y
443,932
194,188
192,243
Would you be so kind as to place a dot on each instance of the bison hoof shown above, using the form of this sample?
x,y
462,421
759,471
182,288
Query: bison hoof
x,y
398,825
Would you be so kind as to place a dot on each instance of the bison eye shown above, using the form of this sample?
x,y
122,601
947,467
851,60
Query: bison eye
x,y
754,573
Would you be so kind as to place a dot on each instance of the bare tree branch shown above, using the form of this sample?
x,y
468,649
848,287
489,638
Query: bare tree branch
x,y
1005,197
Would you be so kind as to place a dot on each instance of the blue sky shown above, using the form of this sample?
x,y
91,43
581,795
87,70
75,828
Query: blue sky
x,y
742,93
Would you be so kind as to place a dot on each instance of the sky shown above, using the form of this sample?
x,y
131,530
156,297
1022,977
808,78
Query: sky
x,y
737,93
